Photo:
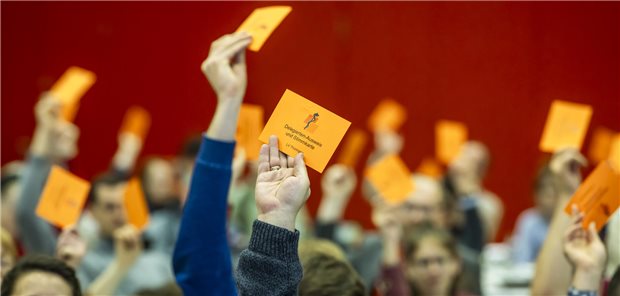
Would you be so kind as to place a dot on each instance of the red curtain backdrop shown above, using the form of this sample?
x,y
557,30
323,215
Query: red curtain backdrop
x,y
494,66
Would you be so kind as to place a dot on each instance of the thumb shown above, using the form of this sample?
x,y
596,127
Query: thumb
x,y
593,233
300,167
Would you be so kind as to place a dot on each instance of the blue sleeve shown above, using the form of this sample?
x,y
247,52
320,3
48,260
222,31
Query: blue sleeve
x,y
522,242
201,261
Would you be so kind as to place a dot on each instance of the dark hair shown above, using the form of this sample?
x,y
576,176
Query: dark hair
x,y
413,238
543,178
170,289
326,275
191,146
105,179
7,181
43,264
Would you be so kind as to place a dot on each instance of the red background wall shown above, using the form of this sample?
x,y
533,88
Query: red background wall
x,y
494,66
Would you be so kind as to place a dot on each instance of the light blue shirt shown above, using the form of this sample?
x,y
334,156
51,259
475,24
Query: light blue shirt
x,y
529,236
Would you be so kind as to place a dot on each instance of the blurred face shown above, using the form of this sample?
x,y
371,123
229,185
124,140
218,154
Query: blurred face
x,y
160,186
465,168
546,200
108,209
424,205
432,269
65,147
40,283
9,201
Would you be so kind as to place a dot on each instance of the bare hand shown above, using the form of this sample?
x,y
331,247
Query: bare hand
x,y
282,186
388,142
70,248
566,166
127,245
47,111
225,66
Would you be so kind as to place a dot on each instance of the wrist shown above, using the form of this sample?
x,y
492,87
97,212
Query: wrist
x,y
281,220
587,279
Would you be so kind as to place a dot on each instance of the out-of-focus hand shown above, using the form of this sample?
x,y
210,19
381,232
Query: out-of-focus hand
x,y
566,166
70,248
385,218
282,186
338,184
47,111
388,142
127,245
225,66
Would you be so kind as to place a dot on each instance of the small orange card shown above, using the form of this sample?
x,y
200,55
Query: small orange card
x,y
598,196
566,127
614,152
303,126
249,125
391,178
137,121
354,144
388,114
63,197
449,137
135,204
71,86
430,167
600,145
262,22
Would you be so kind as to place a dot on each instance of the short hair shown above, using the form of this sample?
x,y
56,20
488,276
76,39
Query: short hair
x,y
326,275
170,289
413,238
105,179
191,146
43,264
544,177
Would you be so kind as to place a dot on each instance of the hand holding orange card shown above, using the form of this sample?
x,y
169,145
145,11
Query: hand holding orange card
x,y
598,196
62,198
249,126
137,121
303,126
353,146
391,178
135,204
388,114
71,87
449,137
566,127
262,22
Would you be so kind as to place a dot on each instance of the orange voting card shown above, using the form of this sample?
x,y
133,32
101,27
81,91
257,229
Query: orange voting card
x,y
614,152
135,204
566,127
354,144
600,144
430,167
449,137
391,178
250,124
63,197
71,87
388,114
598,196
303,126
137,121
261,23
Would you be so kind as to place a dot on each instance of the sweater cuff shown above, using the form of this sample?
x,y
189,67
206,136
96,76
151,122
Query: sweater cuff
x,y
216,153
273,241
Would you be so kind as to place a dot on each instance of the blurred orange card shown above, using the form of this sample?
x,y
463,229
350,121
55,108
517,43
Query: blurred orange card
x,y
391,178
135,204
303,126
62,198
430,167
249,125
388,114
354,144
262,22
598,196
449,137
600,145
614,152
70,88
137,121
566,127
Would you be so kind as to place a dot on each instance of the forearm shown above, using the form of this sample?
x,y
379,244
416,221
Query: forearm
x,y
332,208
391,253
41,139
553,276
109,280
223,126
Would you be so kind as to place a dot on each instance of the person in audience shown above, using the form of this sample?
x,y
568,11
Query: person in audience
x,y
466,174
585,251
41,275
552,274
8,253
533,224
116,262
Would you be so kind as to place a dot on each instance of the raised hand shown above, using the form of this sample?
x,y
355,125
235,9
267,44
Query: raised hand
x,y
70,248
566,166
338,184
282,186
127,245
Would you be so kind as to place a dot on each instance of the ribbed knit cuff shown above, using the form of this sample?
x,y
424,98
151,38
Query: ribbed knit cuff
x,y
216,153
274,241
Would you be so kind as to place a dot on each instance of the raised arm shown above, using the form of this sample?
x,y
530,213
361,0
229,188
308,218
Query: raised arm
x,y
270,265
338,183
201,260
